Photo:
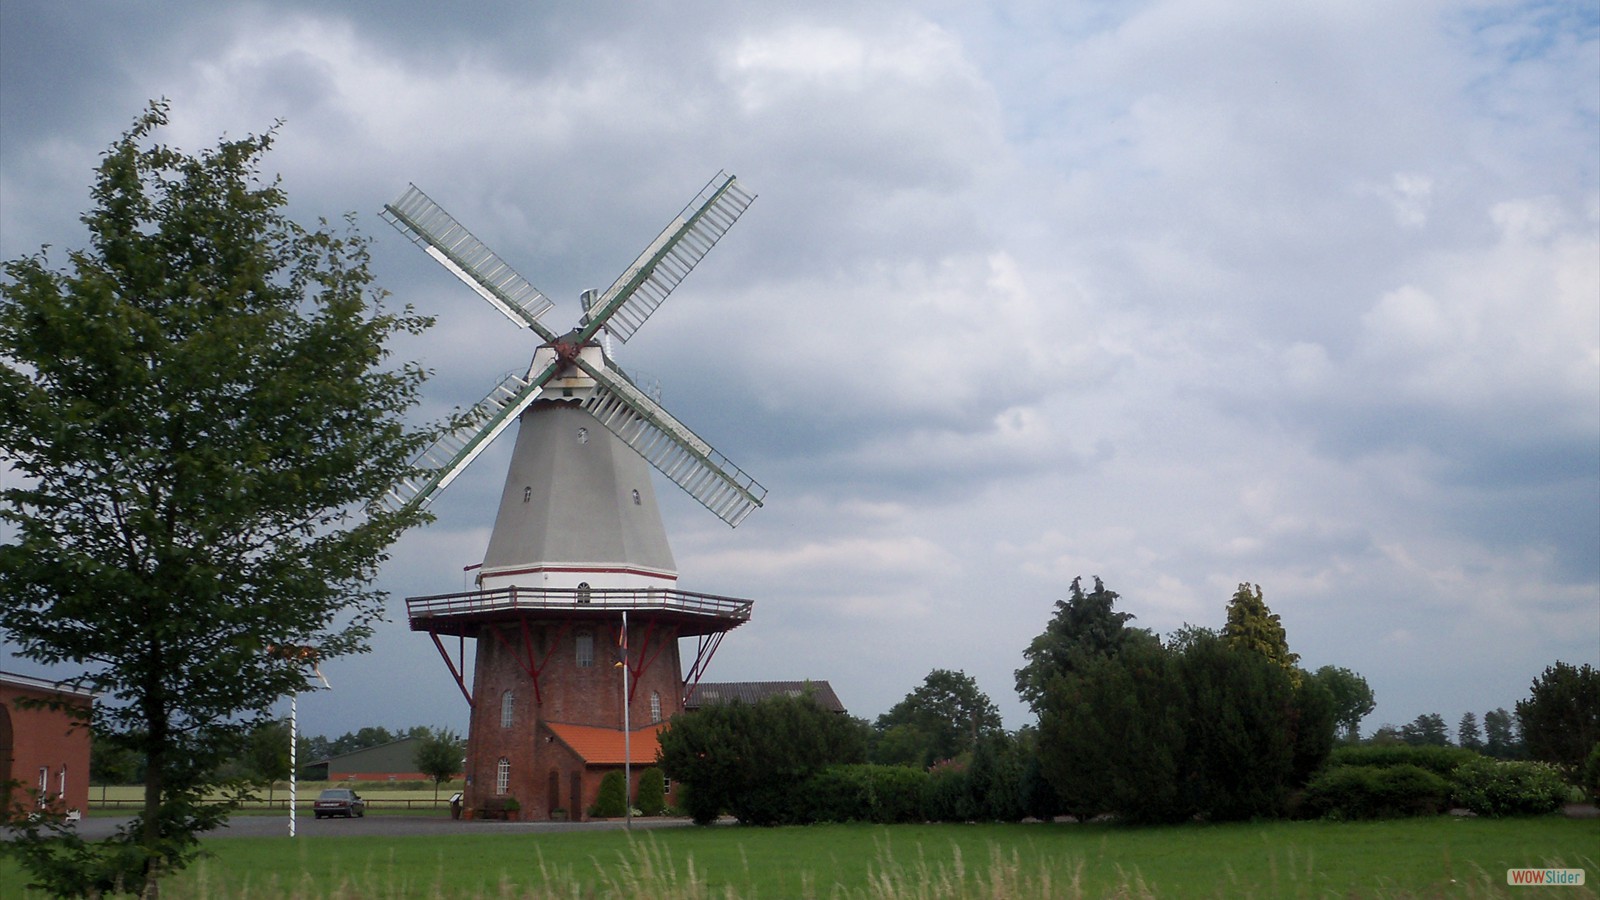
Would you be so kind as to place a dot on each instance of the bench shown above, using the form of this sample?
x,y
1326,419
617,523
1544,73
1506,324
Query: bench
x,y
496,808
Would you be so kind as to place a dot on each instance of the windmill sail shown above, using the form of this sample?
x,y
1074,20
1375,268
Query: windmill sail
x,y
672,448
445,459
643,285
449,242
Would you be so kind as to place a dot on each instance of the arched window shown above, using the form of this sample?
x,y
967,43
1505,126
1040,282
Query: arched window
x,y
655,706
585,649
508,709
502,776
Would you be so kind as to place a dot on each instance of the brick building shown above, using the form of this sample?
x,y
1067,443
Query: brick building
x,y
45,751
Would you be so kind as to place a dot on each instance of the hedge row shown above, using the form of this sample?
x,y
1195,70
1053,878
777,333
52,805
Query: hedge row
x,y
1398,781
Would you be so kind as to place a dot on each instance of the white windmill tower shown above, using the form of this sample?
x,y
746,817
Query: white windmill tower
x,y
578,561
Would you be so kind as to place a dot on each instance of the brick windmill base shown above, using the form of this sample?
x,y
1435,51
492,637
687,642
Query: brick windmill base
x,y
548,680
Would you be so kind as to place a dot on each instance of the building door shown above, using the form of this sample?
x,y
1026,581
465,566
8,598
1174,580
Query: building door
x,y
576,808
553,792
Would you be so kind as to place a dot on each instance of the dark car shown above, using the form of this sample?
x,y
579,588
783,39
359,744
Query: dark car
x,y
339,802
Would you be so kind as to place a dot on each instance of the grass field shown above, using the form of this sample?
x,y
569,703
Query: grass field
x,y
1442,856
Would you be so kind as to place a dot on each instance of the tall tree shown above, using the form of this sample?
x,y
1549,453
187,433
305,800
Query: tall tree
x,y
1083,628
1252,626
438,756
1112,734
1468,735
947,711
1560,720
1426,730
1353,699
202,409
1500,735
266,755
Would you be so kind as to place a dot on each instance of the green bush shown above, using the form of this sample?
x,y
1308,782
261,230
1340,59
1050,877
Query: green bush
x,y
1374,792
612,800
1441,761
886,795
1491,787
1591,774
652,797
947,795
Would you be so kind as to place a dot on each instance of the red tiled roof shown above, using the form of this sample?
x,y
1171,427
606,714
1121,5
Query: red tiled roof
x,y
604,746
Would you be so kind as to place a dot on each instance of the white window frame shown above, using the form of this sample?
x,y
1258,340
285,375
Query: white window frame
x,y
508,709
583,649
502,777
655,706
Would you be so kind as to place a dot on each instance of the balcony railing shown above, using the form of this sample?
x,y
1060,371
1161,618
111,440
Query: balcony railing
x,y
487,604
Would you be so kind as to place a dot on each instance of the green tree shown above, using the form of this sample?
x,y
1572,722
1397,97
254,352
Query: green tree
x,y
750,760
1560,720
1352,698
361,739
438,756
1427,730
651,798
611,802
1239,745
1500,738
902,745
947,711
1252,626
1083,627
1468,736
266,756
201,408
1111,736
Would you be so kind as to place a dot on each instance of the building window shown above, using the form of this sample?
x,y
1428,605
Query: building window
x,y
583,435
502,776
527,494
585,649
636,497
508,709
655,706
583,592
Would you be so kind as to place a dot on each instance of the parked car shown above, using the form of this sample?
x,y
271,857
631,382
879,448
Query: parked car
x,y
339,802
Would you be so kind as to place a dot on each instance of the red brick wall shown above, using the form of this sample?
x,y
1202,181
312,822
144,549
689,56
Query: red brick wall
x,y
35,739
569,694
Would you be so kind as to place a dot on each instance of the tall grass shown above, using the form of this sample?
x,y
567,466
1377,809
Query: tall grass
x,y
1412,858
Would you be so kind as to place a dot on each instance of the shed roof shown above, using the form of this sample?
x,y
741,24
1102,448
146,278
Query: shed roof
x,y
604,746
715,693
395,757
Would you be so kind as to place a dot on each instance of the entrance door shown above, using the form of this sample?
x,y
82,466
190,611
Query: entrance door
x,y
577,797
554,793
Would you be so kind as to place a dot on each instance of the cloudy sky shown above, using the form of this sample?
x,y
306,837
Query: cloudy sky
x,y
1180,293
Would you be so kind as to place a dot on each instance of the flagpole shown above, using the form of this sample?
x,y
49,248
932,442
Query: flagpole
x,y
627,736
294,739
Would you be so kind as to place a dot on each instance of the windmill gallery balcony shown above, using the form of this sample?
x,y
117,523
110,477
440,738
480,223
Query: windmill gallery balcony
x,y
464,614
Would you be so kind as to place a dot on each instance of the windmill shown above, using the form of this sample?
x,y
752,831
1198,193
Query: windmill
x,y
578,579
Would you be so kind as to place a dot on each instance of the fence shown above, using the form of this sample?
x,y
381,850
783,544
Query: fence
x,y
304,803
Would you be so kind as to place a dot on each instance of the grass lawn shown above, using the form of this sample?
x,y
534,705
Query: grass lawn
x,y
1441,856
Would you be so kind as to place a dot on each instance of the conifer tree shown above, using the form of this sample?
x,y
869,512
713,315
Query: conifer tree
x,y
1252,626
1084,627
